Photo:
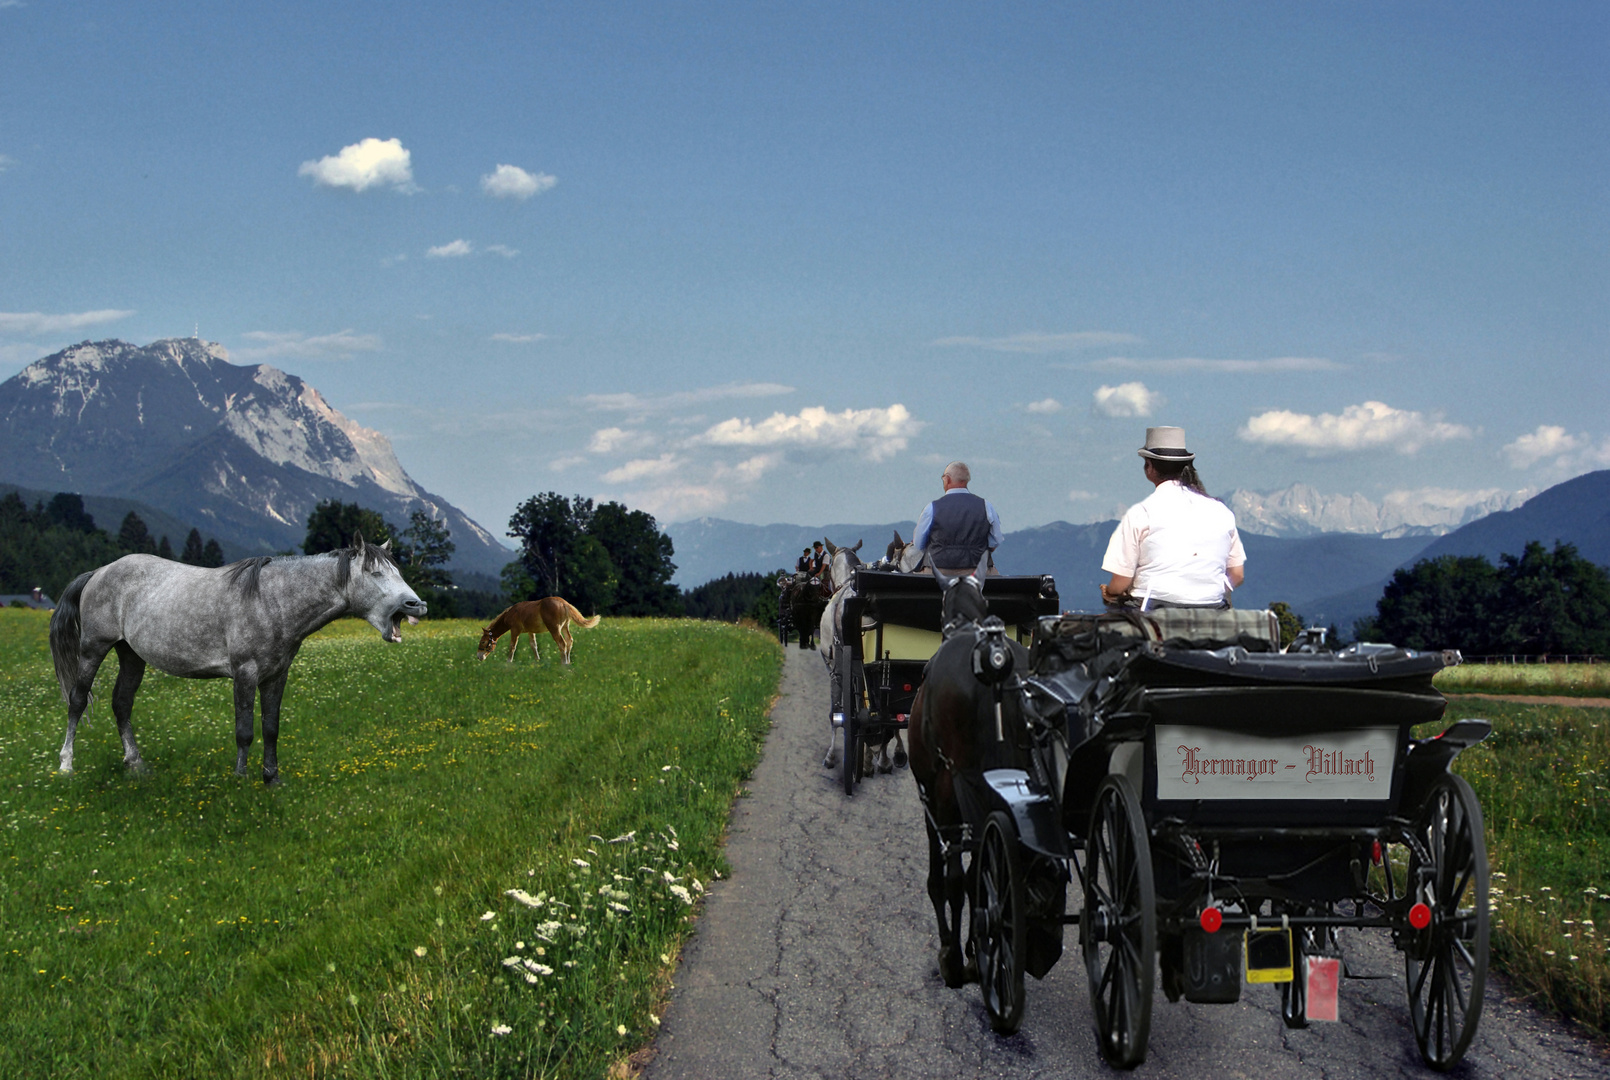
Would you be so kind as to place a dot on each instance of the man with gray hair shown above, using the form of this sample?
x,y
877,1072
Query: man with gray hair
x,y
958,528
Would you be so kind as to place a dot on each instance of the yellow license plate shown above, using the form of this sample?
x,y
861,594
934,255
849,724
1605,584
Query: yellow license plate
x,y
1268,954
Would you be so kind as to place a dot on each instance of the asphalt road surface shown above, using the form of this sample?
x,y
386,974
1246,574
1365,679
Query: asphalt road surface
x,y
817,959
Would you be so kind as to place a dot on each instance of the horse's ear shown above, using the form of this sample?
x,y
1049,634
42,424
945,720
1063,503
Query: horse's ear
x,y
357,541
387,545
945,583
831,548
897,541
858,544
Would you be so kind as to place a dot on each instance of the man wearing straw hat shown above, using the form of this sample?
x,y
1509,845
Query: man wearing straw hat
x,y
1179,547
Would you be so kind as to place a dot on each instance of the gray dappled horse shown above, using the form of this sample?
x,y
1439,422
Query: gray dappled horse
x,y
903,556
244,622
841,572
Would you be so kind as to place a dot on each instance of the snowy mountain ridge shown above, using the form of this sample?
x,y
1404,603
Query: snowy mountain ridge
x,y
1302,510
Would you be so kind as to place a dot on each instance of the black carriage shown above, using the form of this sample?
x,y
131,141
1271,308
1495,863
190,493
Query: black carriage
x,y
880,668
1225,809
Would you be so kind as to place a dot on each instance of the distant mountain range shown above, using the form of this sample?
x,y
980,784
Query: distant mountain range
x,y
241,452
1332,577
1301,510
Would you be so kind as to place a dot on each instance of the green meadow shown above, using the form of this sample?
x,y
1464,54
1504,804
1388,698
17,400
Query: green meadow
x,y
471,869
1541,680
1543,778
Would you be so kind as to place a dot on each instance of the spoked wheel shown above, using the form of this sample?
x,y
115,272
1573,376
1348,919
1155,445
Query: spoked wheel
x,y
1118,929
1000,924
1447,961
850,705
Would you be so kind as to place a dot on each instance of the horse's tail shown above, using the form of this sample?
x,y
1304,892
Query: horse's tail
x,y
65,630
579,619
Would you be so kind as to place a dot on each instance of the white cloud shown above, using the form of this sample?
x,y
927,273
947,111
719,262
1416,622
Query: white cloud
x,y
337,346
1567,451
1036,342
637,403
513,182
457,249
1078,495
675,502
364,165
609,440
561,464
1372,425
877,433
36,322
1126,399
503,249
643,468
1044,407
5,162
1186,364
519,339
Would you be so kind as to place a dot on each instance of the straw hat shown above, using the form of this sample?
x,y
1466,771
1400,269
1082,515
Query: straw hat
x,y
1166,444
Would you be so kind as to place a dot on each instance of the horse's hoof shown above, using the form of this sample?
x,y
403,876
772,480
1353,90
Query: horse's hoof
x,y
970,972
900,759
831,761
139,768
950,972
884,767
272,779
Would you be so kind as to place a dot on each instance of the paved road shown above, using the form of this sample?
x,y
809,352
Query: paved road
x,y
817,959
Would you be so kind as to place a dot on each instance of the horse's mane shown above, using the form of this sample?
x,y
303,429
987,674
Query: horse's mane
x,y
247,575
372,553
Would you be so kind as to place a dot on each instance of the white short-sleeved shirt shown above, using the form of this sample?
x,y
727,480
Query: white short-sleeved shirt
x,y
1176,544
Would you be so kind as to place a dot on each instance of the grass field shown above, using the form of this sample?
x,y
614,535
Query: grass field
x,y
1543,680
470,870
1543,778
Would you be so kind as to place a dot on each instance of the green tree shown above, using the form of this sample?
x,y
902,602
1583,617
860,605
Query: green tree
x,y
518,585
67,510
212,554
424,551
164,549
548,527
193,551
590,580
332,524
133,537
1291,624
1553,602
641,554
37,549
1450,602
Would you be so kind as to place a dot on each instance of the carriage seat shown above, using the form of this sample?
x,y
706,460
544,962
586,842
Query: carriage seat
x,y
1208,628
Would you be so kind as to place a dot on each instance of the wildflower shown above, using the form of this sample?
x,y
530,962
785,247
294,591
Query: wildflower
x,y
1572,958
438,890
420,950
615,905
682,894
620,1029
352,999
655,1020
330,967
625,838
488,916
580,862
664,958
1548,952
524,897
501,1029
519,944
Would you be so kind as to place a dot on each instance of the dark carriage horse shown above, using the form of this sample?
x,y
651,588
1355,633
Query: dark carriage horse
x,y
966,719
243,622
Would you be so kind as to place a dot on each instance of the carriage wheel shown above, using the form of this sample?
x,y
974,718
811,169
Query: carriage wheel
x,y
1294,994
1447,962
850,706
1118,928
1000,923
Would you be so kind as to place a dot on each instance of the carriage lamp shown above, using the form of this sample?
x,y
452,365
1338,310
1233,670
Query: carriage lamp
x,y
1420,916
1375,852
1212,919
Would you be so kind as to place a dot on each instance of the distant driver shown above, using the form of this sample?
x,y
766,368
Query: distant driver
x,y
1179,547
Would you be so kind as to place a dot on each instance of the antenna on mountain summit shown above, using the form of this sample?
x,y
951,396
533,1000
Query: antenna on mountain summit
x,y
197,334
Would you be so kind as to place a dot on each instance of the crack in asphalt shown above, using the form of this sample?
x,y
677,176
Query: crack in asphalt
x,y
817,958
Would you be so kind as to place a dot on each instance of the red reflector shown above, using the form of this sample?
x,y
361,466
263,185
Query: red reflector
x,y
906,687
1212,919
1375,853
1419,916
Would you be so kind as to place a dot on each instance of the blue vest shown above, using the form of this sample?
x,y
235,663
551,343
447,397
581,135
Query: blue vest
x,y
960,533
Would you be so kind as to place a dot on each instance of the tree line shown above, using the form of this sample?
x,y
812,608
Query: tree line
x,y
48,544
1537,603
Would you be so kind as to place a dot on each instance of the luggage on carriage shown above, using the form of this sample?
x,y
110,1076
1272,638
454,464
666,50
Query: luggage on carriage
x,y
1227,808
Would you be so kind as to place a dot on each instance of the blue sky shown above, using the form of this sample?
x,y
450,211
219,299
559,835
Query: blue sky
x,y
780,263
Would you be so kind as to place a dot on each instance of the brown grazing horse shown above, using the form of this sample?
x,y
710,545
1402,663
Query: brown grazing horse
x,y
553,614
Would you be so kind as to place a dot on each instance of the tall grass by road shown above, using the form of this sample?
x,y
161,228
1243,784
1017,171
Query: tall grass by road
x,y
1540,680
471,869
